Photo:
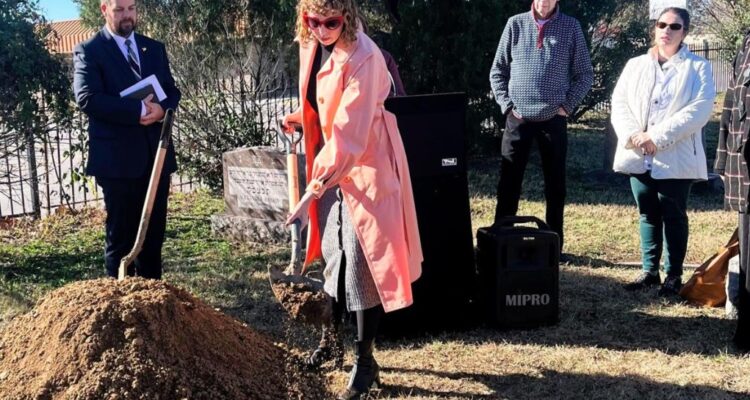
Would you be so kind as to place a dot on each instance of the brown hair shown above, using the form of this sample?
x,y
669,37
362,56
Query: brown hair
x,y
680,12
348,9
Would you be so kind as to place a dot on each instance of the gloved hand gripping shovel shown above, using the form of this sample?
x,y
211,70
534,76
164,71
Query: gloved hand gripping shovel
x,y
153,185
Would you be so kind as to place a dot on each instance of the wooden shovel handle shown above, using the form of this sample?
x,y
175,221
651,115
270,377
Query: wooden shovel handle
x,y
153,187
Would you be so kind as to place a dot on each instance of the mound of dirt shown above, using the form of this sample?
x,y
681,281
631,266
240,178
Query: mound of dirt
x,y
140,339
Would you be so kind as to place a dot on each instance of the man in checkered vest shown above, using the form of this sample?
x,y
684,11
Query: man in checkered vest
x,y
732,154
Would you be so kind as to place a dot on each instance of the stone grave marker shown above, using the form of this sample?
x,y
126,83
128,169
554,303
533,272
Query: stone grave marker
x,y
256,195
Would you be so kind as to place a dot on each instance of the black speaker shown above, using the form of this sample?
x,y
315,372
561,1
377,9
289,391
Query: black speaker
x,y
432,129
519,273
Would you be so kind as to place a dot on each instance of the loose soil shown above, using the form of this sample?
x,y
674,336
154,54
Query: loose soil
x,y
303,303
302,296
140,339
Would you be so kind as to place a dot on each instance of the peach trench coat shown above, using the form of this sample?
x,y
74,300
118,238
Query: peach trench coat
x,y
362,153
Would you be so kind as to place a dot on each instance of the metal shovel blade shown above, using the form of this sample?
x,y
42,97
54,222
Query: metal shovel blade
x,y
293,272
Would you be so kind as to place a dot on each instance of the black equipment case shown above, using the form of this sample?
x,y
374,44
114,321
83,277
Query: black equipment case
x,y
432,129
519,273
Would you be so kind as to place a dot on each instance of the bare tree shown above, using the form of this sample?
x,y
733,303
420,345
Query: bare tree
x,y
729,20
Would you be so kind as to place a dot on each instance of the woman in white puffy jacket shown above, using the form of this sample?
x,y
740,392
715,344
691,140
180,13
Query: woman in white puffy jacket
x,y
659,107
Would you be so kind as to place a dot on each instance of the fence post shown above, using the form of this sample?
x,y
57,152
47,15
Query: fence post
x,y
705,49
34,174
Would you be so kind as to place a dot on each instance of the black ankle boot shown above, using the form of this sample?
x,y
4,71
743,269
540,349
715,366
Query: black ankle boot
x,y
365,373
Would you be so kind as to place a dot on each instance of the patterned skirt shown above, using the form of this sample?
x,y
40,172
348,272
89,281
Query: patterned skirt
x,y
343,255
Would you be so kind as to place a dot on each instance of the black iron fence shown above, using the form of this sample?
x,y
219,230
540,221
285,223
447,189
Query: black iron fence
x,y
717,54
720,57
40,173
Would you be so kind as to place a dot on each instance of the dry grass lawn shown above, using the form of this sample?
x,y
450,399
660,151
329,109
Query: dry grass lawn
x,y
609,344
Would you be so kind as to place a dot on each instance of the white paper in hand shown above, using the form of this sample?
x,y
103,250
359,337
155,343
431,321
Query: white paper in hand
x,y
141,87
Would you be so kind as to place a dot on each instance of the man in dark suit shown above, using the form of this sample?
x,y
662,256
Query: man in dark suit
x,y
124,133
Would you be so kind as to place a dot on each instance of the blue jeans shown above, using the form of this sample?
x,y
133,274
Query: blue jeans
x,y
662,204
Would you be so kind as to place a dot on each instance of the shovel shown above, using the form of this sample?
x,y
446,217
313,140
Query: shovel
x,y
292,176
153,185
301,295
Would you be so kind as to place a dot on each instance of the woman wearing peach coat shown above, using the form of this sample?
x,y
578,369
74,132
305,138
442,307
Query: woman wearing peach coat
x,y
358,199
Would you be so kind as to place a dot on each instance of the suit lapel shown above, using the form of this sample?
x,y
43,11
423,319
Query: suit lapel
x,y
117,57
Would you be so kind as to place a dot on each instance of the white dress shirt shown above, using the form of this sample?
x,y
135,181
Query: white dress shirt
x,y
661,98
124,50
121,44
663,93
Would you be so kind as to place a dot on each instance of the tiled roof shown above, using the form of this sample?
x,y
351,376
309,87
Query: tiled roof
x,y
69,34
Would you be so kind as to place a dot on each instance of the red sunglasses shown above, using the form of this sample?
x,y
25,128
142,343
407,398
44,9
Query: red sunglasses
x,y
331,23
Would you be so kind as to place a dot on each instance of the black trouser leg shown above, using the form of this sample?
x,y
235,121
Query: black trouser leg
x,y
149,262
742,333
515,147
365,372
123,201
552,137
367,323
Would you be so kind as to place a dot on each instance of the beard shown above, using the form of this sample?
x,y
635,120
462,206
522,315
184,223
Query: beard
x,y
125,27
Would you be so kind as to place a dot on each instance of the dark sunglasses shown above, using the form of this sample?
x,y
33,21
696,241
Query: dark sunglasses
x,y
674,27
331,23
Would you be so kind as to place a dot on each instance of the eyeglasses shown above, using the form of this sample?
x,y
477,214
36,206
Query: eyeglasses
x,y
331,23
664,25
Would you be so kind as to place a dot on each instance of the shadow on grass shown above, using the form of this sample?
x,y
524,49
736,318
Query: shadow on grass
x,y
56,269
596,312
23,280
576,259
550,384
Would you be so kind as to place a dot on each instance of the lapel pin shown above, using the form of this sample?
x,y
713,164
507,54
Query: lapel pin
x,y
143,49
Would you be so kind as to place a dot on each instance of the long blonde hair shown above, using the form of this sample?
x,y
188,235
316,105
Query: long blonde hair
x,y
348,9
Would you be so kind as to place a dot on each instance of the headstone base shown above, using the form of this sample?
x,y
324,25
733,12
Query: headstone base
x,y
250,229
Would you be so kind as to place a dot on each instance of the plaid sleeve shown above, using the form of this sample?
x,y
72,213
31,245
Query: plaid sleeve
x,y
726,116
